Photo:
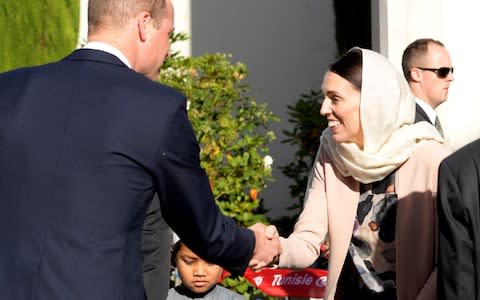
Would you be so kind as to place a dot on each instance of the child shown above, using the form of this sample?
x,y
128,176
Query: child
x,y
199,278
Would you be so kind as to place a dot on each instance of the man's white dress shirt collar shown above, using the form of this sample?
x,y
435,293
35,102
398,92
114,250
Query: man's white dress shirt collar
x,y
431,114
109,49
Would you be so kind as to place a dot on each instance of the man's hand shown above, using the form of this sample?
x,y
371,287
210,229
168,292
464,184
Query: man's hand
x,y
267,246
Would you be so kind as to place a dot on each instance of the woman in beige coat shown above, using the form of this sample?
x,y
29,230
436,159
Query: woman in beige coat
x,y
372,190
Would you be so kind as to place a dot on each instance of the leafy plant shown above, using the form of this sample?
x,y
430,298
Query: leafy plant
x,y
36,32
305,135
233,132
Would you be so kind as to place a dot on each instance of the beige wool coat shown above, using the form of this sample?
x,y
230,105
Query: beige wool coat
x,y
330,209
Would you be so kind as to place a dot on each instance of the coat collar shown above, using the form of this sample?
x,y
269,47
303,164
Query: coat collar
x,y
95,55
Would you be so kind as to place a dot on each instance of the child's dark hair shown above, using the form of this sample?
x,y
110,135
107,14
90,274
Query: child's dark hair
x,y
175,249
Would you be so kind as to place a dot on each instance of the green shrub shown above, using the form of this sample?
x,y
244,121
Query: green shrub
x,y
36,32
233,132
305,136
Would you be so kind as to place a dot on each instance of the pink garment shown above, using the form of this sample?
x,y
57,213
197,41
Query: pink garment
x,y
330,209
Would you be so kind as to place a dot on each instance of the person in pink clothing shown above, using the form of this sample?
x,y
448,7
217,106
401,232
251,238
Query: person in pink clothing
x,y
372,189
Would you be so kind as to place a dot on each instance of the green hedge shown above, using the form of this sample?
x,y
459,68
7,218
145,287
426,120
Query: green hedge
x,y
233,131
36,32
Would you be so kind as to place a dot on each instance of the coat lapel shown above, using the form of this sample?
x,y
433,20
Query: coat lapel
x,y
342,208
420,114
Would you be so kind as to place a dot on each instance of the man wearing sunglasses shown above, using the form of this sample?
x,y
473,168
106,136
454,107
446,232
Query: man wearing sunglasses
x,y
428,69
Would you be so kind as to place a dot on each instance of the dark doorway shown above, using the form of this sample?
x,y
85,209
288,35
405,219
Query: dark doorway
x,y
353,24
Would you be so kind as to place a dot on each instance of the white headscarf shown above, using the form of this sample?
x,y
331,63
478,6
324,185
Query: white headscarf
x,y
387,114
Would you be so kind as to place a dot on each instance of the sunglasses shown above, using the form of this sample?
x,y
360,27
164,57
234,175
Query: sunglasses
x,y
441,72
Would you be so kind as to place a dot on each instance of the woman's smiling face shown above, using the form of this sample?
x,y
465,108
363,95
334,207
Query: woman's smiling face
x,y
341,107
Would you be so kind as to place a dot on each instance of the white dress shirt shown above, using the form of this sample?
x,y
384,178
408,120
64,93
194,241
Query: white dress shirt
x,y
109,49
432,115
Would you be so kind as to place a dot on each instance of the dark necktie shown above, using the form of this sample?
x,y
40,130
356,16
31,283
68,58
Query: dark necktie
x,y
438,126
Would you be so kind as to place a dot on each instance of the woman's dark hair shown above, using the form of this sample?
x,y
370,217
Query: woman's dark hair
x,y
349,67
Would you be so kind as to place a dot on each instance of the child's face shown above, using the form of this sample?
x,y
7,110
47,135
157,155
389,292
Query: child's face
x,y
196,274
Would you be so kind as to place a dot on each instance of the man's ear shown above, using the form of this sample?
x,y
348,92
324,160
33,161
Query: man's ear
x,y
415,74
143,23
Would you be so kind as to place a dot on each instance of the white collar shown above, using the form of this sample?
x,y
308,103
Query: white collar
x,y
431,114
109,49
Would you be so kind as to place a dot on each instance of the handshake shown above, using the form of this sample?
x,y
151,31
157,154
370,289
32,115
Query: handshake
x,y
267,246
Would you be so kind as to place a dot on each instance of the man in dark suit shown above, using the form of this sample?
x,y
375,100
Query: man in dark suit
x,y
459,224
428,69
84,144
156,253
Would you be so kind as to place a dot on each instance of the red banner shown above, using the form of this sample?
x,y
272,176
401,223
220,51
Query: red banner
x,y
286,282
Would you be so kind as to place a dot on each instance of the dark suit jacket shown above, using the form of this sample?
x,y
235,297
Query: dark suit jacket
x,y
459,224
421,115
84,145
156,253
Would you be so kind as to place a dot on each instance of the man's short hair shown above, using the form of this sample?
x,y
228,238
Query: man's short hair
x,y
415,51
116,13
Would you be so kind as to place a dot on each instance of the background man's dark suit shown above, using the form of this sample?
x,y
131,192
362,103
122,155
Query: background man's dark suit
x,y
156,253
459,224
84,145
420,115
